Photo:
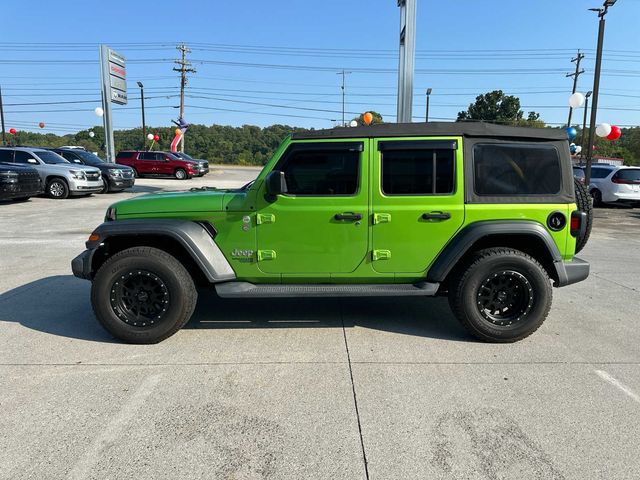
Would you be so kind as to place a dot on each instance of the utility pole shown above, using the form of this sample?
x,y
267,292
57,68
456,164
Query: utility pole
x,y
584,122
4,135
343,73
575,76
184,68
602,12
144,128
407,58
426,115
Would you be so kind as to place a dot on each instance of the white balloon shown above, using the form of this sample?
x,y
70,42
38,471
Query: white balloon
x,y
576,100
603,130
99,111
578,149
150,136
91,134
353,123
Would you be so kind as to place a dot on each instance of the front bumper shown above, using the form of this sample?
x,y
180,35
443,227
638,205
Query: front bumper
x,y
122,182
571,272
79,187
81,265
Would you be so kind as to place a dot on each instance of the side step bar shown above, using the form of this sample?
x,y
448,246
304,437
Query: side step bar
x,y
245,289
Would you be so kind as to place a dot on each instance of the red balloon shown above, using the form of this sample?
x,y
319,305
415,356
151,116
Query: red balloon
x,y
156,138
615,133
41,124
12,131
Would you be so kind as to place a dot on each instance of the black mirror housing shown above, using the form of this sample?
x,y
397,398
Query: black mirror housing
x,y
275,184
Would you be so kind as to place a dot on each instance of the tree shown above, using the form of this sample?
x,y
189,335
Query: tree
x,y
377,118
498,107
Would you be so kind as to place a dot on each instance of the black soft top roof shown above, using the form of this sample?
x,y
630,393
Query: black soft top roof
x,y
465,129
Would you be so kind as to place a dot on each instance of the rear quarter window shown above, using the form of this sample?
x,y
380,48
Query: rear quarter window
x,y
516,170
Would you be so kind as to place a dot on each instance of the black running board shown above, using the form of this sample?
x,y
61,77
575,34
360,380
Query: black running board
x,y
245,289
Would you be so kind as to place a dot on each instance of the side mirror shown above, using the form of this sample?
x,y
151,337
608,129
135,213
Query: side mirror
x,y
275,184
33,161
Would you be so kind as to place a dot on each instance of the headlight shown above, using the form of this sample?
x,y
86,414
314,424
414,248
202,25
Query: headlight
x,y
114,172
111,214
8,177
78,174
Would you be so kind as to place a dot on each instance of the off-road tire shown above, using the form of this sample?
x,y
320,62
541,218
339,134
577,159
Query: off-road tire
x,y
180,174
57,189
177,284
585,204
485,265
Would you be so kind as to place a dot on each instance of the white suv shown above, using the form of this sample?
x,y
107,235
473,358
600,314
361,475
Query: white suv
x,y
610,184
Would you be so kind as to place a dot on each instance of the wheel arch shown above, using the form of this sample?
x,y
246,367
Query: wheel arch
x,y
190,242
526,236
54,176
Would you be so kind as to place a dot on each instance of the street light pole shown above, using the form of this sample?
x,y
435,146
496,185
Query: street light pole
x,y
426,116
584,120
144,128
596,85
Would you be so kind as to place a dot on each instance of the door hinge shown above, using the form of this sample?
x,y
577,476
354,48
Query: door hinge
x,y
265,218
381,218
381,255
266,255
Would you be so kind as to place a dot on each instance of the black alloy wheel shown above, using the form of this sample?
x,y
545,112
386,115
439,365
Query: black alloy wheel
x,y
505,298
140,298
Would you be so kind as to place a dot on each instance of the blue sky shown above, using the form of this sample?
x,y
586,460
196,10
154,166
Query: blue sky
x,y
261,62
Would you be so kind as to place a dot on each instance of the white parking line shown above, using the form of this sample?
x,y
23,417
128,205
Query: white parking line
x,y
82,468
616,383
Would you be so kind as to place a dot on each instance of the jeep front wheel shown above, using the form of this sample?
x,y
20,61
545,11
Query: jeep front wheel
x,y
502,295
143,295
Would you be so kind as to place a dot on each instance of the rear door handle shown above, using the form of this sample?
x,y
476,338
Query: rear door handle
x,y
436,216
348,216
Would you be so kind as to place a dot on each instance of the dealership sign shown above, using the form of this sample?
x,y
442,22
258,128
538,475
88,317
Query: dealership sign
x,y
114,68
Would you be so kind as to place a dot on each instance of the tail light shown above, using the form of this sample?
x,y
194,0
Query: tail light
x,y
578,223
622,181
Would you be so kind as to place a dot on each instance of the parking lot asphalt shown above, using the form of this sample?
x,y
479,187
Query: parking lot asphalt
x,y
310,388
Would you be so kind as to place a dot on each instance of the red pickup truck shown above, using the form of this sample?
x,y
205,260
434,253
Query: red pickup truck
x,y
157,164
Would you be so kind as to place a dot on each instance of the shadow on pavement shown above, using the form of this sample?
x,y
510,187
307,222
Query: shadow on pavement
x,y
60,305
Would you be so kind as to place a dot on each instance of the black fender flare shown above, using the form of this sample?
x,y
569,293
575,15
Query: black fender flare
x,y
459,245
197,240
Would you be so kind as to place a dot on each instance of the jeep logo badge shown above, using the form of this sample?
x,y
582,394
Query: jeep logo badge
x,y
237,253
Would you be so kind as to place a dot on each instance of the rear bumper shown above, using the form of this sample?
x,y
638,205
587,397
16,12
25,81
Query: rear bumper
x,y
571,272
81,265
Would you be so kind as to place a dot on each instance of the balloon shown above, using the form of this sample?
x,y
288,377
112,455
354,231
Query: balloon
x,y
41,124
603,130
571,133
578,149
12,131
178,131
576,100
149,136
615,133
572,148
99,111
156,138
91,134
367,118
354,123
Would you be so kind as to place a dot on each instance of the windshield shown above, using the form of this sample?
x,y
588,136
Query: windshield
x,y
184,155
49,157
90,158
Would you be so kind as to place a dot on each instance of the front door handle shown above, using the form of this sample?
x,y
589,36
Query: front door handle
x,y
436,216
348,216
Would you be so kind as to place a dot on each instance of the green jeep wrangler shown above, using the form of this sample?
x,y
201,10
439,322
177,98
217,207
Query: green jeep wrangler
x,y
485,214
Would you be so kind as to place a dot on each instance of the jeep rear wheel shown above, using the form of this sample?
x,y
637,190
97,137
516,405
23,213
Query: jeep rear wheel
x,y
143,295
584,204
502,295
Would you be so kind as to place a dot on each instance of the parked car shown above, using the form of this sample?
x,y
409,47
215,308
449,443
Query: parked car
x,y
203,165
115,177
485,214
578,174
157,164
613,184
17,182
60,178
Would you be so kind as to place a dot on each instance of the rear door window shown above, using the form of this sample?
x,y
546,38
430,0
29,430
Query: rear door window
x,y
147,156
600,172
627,175
418,171
504,169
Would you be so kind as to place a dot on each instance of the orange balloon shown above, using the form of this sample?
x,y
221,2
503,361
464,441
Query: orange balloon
x,y
368,118
178,132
